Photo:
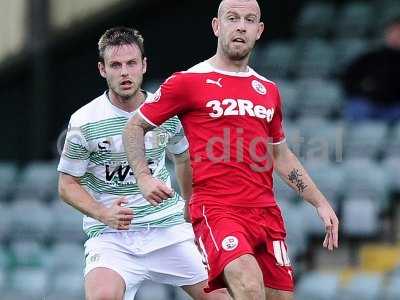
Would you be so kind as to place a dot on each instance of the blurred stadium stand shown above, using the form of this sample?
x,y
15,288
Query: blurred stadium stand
x,y
48,69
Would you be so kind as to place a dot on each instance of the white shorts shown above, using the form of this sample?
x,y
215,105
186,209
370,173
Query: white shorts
x,y
148,254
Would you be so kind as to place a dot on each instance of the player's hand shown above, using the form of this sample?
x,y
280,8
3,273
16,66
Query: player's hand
x,y
331,223
117,216
155,191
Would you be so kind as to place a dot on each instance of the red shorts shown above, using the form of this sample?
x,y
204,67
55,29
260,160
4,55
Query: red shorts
x,y
226,233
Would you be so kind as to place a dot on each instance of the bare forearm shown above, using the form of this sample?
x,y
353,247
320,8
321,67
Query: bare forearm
x,y
183,172
75,195
293,173
133,139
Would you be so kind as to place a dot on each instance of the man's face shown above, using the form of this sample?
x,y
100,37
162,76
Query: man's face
x,y
392,36
238,27
123,69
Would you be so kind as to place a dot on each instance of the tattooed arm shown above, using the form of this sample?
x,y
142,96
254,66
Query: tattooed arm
x,y
293,173
153,190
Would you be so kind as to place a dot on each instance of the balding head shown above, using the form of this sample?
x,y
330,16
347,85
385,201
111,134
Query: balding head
x,y
225,5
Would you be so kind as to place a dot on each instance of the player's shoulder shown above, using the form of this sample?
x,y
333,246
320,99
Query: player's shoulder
x,y
263,79
89,112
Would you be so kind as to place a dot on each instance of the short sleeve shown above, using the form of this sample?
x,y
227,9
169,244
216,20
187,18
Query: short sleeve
x,y
75,155
177,142
169,100
277,133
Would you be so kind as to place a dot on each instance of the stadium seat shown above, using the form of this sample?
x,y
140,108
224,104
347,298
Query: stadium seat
x,y
354,19
67,222
35,224
181,294
28,253
392,145
365,139
289,96
8,175
3,281
153,291
275,60
318,285
360,218
321,98
315,59
391,167
67,285
322,139
363,286
39,179
5,221
312,221
66,256
392,291
296,229
30,283
315,19
348,49
6,260
282,191
366,178
329,178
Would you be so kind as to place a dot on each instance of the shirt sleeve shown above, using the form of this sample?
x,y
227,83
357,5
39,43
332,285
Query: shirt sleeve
x,y
177,142
75,155
277,133
169,100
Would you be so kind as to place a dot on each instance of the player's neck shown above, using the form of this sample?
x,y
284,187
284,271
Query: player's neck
x,y
224,63
127,104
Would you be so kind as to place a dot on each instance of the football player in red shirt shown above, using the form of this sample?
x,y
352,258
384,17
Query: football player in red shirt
x,y
232,118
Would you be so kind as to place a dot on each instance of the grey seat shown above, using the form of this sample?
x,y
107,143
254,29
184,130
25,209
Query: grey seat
x,y
354,19
392,290
35,224
5,221
67,222
276,59
365,178
315,19
329,178
39,179
322,98
67,285
366,139
289,96
392,145
348,49
28,253
8,175
153,291
364,286
30,283
318,285
66,256
360,217
315,59
391,167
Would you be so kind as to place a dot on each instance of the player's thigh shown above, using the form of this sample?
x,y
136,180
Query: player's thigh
x,y
244,271
104,284
272,294
196,291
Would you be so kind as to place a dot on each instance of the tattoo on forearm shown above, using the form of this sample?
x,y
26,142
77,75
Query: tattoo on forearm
x,y
295,178
133,139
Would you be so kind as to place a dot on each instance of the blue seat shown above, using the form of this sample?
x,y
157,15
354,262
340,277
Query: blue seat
x,y
318,285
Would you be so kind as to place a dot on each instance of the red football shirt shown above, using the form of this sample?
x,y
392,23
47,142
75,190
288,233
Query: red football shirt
x,y
229,119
